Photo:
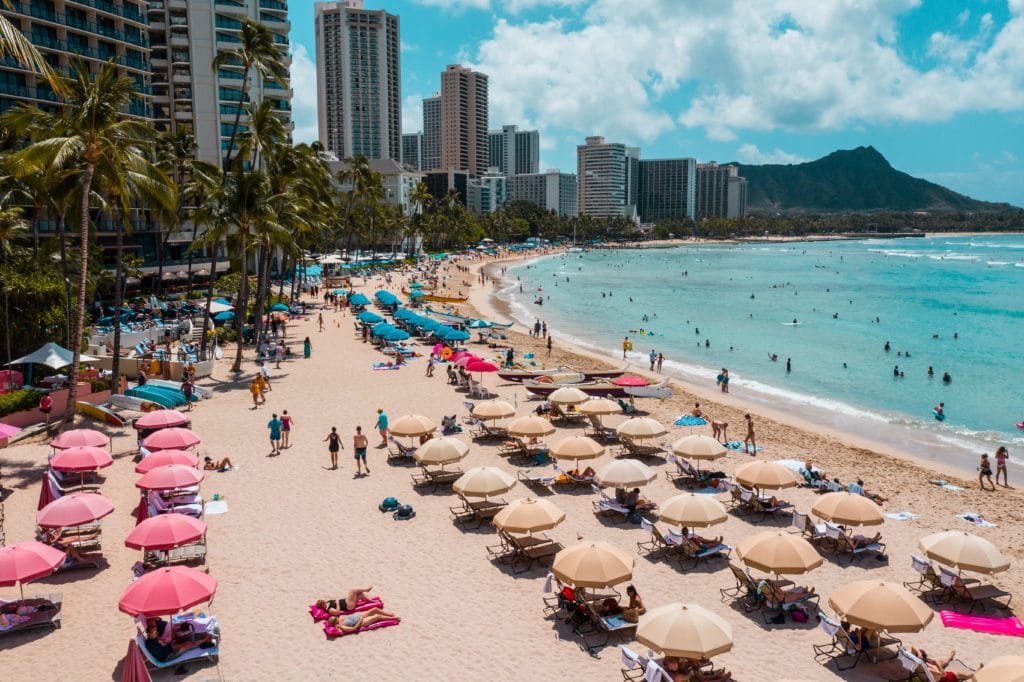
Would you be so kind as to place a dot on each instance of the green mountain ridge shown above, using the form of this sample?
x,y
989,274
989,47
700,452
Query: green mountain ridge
x,y
848,180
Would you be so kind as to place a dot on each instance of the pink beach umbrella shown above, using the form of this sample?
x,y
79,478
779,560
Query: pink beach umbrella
x,y
6,431
26,561
89,437
81,458
459,354
175,438
481,366
169,477
630,380
133,667
165,531
161,419
75,509
465,360
164,457
45,492
167,591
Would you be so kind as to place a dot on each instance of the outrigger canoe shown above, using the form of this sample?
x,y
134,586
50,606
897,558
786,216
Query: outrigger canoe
x,y
604,389
465,320
522,375
443,299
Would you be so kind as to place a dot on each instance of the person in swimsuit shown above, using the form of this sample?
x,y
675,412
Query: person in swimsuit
x,y
636,606
937,668
223,465
275,434
65,544
360,442
334,444
286,428
339,607
718,430
985,471
1001,456
165,652
749,441
354,622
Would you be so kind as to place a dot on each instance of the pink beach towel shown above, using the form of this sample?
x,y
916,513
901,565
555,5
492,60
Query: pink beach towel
x,y
362,605
333,632
1011,627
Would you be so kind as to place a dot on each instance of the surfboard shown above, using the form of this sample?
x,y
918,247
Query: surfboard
x,y
99,412
128,402
152,396
218,353
174,386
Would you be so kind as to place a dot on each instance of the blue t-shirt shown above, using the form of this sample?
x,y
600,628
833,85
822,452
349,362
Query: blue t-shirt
x,y
275,429
382,421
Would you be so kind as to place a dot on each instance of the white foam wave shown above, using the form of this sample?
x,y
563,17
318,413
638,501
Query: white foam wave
x,y
998,262
896,253
955,256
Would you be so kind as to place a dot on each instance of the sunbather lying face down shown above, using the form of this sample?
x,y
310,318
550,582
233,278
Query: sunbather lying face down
x,y
356,621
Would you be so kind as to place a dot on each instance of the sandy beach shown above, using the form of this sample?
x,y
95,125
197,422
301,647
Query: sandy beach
x,y
296,530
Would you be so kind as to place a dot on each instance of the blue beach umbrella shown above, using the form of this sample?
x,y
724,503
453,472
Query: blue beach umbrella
x,y
416,294
453,335
340,292
359,299
394,335
369,317
417,285
279,308
403,314
479,324
224,316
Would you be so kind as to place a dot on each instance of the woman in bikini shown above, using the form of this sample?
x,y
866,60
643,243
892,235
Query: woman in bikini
x,y
354,622
342,606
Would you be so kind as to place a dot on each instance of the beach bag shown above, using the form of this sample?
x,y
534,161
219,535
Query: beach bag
x,y
389,504
799,616
404,513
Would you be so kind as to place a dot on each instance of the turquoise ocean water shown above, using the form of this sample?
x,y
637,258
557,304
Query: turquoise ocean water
x,y
744,298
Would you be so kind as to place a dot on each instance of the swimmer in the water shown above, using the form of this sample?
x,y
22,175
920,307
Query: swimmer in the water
x,y
946,378
887,347
794,321
939,410
931,372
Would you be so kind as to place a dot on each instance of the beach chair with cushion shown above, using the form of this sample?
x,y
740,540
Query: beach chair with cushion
x,y
600,432
659,544
566,416
537,479
744,590
687,552
63,484
813,532
603,628
637,668
684,472
839,650
607,506
433,478
43,612
570,479
398,453
630,448
472,514
186,554
973,592
772,604
929,584
917,669
518,450
158,504
197,654
844,544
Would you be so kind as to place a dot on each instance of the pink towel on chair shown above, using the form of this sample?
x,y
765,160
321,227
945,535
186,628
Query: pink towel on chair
x,y
1012,626
361,605
333,632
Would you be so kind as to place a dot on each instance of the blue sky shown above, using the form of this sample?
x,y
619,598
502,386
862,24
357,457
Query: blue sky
x,y
937,86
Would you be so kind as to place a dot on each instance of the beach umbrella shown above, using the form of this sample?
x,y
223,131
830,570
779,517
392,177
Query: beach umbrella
x,y
175,438
279,308
777,552
880,605
567,395
26,561
166,531
76,437
1001,669
75,509
358,300
81,458
6,431
624,473
464,360
218,307
964,552
459,354
484,481
699,447
412,425
639,428
766,476
848,509
161,419
493,409
394,334
222,300
164,457
479,324
45,492
530,427
444,450
170,477
599,406
691,510
454,335
167,591
630,380
224,316
416,294
576,447
133,667
593,564
528,515
481,366
684,630
370,317
417,285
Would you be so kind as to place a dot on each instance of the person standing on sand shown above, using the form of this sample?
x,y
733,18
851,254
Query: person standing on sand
x,y
320,321
286,428
627,345
1001,456
307,348
275,434
187,389
360,442
985,471
382,427
749,441
653,357
725,380
254,389
334,444
661,361
265,374
549,346
430,366
510,358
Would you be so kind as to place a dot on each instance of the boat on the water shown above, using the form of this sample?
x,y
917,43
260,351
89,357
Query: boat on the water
x,y
603,389
522,375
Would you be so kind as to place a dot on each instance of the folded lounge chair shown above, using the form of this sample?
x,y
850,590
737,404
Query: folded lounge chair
x,y
599,432
186,554
397,452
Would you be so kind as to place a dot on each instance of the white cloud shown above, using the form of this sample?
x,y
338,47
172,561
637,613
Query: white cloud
x,y
510,6
412,114
303,81
750,154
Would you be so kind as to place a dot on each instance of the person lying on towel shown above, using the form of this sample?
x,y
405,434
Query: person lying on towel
x,y
354,622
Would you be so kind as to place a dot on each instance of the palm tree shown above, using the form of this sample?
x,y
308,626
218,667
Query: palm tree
x,y
256,51
175,153
88,132
12,225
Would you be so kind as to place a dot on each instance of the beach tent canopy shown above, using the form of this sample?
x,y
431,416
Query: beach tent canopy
x,y
52,355
369,317
218,307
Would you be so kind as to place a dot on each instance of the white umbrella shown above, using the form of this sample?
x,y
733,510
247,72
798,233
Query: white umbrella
x,y
624,473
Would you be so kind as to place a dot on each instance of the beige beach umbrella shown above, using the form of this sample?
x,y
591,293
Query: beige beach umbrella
x,y
848,509
774,551
444,450
964,551
412,425
639,428
699,447
624,473
692,511
685,630
493,409
593,564
484,481
599,406
576,447
880,605
766,476
528,515
567,395
1001,669
530,427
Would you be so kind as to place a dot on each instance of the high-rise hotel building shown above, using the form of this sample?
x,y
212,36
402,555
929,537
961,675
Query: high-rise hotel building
x,y
667,190
185,36
514,151
358,80
721,192
607,176
464,112
430,154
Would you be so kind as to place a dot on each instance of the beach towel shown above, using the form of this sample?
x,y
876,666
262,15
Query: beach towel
x,y
1010,626
945,486
333,632
385,366
738,446
362,605
690,420
901,516
216,507
976,519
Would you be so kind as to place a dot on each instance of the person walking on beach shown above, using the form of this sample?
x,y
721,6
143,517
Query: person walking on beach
x,y
661,361
320,321
187,389
725,380
549,346
653,357
430,366
544,330
382,427
265,375
278,354
286,428
1001,456
275,434
749,441
254,389
510,358
985,471
359,443
334,444
627,346
307,348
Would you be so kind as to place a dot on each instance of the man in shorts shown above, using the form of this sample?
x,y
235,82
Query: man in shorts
x,y
275,425
359,443
254,389
382,427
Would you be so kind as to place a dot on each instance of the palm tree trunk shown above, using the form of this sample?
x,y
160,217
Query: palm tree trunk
x,y
67,281
83,281
280,271
261,289
238,118
209,298
115,363
243,297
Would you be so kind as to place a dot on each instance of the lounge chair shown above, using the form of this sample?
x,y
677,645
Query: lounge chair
x,y
160,505
916,667
736,502
197,654
688,553
516,448
566,416
607,506
516,549
760,506
85,545
630,448
974,593
771,603
813,532
397,452
839,648
46,615
475,512
570,479
432,478
602,627
186,554
63,484
745,589
929,582
600,432
537,479
685,472
844,544
665,544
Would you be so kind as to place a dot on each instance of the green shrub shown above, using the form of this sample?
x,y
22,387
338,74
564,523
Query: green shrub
x,y
99,385
16,401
